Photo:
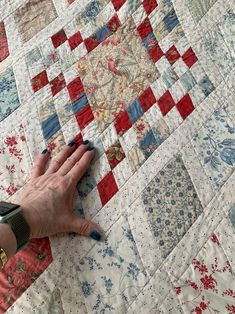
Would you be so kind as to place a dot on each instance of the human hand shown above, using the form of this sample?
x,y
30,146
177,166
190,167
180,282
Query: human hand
x,y
47,199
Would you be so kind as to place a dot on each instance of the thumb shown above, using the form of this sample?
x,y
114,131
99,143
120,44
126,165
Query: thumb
x,y
87,228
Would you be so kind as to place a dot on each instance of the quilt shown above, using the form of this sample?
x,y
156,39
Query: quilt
x,y
151,84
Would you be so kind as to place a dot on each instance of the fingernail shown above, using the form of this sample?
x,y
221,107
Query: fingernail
x,y
95,235
71,144
85,142
91,148
44,151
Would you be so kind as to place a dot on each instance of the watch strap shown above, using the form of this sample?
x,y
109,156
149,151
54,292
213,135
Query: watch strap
x,y
21,230
3,258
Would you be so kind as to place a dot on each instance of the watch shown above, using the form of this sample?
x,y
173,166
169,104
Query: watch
x,y
11,214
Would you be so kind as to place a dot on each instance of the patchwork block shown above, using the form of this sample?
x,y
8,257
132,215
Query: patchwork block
x,y
200,8
171,212
125,75
107,188
33,16
215,145
115,264
208,277
9,100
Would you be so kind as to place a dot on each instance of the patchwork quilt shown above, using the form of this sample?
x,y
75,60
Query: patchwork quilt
x,y
151,84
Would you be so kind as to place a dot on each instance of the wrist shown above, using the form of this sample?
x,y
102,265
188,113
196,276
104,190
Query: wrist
x,y
7,240
30,217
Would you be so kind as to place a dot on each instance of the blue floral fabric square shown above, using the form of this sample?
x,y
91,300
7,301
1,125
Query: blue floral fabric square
x,y
135,111
220,43
9,99
215,145
171,204
171,20
112,274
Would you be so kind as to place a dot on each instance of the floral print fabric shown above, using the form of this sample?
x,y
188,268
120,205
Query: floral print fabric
x,y
151,85
171,205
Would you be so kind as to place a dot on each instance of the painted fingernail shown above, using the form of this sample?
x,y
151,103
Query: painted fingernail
x,y
85,142
44,151
91,148
95,235
71,144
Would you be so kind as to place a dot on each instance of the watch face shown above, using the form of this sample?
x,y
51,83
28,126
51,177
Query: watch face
x,y
7,208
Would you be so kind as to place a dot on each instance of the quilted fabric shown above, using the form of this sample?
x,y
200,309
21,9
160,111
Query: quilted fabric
x,y
151,84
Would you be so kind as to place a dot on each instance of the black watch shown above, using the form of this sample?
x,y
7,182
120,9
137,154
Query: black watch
x,y
11,214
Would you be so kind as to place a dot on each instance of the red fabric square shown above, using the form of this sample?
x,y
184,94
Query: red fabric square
x,y
22,270
166,103
145,28
39,81
189,57
114,23
185,106
59,38
75,88
147,99
84,117
172,55
57,84
78,139
156,53
107,188
118,4
4,52
122,123
75,40
91,42
149,5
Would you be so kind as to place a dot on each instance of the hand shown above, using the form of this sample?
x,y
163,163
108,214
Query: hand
x,y
47,199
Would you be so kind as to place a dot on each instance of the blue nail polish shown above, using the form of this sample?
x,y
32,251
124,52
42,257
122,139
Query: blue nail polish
x,y
85,142
91,148
95,235
71,144
44,151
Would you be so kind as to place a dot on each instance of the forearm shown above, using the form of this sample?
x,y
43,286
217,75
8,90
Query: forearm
x,y
7,241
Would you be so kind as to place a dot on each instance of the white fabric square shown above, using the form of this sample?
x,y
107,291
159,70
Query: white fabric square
x,y
100,168
122,172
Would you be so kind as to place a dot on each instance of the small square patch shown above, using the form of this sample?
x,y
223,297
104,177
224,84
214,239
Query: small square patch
x,y
57,84
166,103
135,111
40,81
189,57
75,89
115,154
185,106
122,123
84,117
172,55
107,188
147,99
59,38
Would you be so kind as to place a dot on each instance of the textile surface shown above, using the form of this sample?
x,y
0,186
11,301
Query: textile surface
x,y
151,84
